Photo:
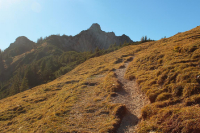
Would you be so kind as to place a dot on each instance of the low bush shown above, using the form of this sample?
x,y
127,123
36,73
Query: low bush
x,y
163,96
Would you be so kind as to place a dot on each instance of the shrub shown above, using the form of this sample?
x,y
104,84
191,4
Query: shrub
x,y
148,111
190,89
111,83
177,90
163,96
177,48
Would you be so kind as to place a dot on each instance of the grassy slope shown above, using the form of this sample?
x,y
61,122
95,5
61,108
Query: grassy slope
x,y
166,72
80,100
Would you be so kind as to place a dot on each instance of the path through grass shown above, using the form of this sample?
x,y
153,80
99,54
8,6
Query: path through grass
x,y
132,98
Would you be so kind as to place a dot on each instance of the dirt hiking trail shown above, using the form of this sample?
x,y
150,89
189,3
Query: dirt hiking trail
x,y
132,98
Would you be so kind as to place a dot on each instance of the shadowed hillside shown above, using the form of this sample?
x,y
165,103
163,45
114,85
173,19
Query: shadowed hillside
x,y
25,64
78,101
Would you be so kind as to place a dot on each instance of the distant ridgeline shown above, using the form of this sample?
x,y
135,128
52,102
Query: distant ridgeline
x,y
25,64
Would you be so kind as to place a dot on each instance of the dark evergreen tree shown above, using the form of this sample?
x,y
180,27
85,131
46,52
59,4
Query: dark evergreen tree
x,y
145,38
15,85
24,85
97,51
142,39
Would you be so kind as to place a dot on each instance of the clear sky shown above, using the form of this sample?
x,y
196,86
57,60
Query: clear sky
x,y
135,18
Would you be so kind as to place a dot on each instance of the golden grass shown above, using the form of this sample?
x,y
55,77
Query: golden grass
x,y
80,101
172,119
166,71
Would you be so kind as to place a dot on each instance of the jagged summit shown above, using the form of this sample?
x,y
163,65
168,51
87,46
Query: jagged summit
x,y
86,40
95,27
21,45
90,39
21,40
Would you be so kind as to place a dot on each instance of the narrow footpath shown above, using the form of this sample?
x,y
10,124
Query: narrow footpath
x,y
132,98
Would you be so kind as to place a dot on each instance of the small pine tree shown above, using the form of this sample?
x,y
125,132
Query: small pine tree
x,y
120,45
24,86
97,51
142,39
15,85
40,40
145,38
90,52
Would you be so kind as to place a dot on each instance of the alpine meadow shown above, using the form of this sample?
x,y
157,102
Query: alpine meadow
x,y
99,66
118,85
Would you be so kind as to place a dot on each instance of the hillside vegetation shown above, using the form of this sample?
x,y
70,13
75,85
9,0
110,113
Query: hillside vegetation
x,y
167,73
25,64
41,66
43,63
80,100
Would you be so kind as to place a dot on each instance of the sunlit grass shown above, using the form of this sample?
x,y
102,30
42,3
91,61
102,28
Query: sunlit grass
x,y
166,71
80,101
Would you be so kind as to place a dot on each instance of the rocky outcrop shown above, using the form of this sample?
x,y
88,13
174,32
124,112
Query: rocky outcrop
x,y
21,45
86,40
90,39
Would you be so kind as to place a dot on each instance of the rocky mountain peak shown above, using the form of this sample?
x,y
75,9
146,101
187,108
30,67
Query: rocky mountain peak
x,y
95,27
22,40
21,45
90,39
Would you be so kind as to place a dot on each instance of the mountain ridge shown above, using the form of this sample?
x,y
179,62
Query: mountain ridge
x,y
165,71
86,40
90,39
51,57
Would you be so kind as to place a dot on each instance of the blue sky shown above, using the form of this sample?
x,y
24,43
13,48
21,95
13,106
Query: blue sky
x,y
135,18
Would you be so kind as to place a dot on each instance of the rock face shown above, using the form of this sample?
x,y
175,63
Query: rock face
x,y
21,45
22,41
86,40
90,39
